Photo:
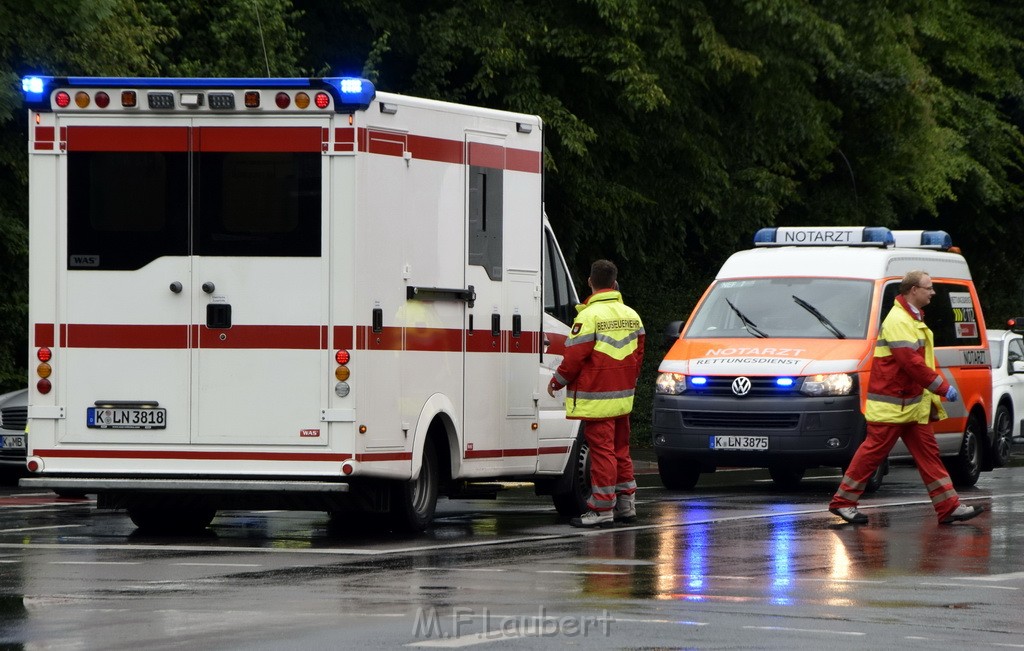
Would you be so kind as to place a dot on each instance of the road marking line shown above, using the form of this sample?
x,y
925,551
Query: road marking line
x,y
460,569
994,577
586,572
786,629
95,562
468,640
968,585
53,526
221,564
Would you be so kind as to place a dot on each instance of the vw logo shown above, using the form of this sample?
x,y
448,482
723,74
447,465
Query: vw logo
x,y
741,386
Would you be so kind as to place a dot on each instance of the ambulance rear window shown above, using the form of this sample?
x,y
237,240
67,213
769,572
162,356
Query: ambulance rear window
x,y
798,307
126,209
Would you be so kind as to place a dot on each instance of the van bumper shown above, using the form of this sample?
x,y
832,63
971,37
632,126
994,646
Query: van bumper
x,y
802,431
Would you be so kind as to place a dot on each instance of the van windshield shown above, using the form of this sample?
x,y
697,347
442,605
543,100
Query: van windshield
x,y
802,308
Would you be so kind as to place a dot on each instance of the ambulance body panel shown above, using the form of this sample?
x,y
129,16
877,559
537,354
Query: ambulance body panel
x,y
772,367
357,293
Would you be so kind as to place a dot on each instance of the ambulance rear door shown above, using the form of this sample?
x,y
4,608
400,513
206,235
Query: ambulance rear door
x,y
123,341
258,287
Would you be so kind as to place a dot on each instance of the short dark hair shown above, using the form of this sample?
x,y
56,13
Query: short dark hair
x,y
911,279
603,274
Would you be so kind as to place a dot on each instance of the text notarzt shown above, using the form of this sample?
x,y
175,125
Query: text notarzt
x,y
428,623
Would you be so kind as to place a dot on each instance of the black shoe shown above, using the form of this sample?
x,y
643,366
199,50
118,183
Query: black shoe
x,y
962,514
850,514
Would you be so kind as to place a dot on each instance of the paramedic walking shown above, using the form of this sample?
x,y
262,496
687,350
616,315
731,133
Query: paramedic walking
x,y
903,399
600,368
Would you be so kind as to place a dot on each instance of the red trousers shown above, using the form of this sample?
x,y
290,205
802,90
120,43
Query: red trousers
x,y
920,441
611,469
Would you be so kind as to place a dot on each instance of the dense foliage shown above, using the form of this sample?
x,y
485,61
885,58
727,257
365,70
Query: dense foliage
x,y
674,128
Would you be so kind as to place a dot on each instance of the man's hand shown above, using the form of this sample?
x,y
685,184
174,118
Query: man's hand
x,y
551,388
952,395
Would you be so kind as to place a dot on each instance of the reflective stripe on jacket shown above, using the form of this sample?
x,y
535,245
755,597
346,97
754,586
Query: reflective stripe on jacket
x,y
602,358
903,386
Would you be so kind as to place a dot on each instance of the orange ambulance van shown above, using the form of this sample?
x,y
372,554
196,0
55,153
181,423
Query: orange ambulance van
x,y
771,368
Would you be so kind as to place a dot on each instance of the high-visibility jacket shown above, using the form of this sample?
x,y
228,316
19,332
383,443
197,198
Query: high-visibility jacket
x,y
602,358
904,386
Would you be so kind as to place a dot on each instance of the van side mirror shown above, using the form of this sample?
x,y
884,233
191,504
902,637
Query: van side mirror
x,y
672,331
1016,324
1017,366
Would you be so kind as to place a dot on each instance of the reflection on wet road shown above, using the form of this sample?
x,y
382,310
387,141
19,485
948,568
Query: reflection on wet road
x,y
732,564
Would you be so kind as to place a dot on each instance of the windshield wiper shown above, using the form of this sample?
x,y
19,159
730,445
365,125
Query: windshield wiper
x,y
747,323
820,317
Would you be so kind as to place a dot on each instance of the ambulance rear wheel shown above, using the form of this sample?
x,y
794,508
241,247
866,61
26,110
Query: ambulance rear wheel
x,y
154,519
413,502
965,468
785,477
678,474
573,501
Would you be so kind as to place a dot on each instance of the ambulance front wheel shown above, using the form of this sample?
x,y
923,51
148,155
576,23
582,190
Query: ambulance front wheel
x,y
678,474
413,502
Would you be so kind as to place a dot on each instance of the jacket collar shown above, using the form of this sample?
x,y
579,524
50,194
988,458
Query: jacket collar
x,y
919,316
600,296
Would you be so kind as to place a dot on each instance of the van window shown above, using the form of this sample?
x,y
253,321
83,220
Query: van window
x,y
805,308
126,209
951,315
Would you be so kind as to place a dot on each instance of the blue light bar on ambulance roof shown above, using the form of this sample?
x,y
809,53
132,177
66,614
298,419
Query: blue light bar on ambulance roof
x,y
824,236
923,240
349,93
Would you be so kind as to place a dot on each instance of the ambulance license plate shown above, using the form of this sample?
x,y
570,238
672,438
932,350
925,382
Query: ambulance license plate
x,y
739,442
127,418
12,442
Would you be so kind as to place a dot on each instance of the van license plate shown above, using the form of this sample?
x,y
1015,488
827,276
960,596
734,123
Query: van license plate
x,y
15,442
127,418
739,442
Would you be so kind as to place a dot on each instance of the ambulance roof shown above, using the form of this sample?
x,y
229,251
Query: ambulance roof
x,y
842,262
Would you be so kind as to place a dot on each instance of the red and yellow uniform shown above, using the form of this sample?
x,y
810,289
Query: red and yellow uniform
x,y
903,399
602,361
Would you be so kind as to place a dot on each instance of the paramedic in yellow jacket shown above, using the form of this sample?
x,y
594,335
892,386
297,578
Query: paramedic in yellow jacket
x,y
600,368
903,399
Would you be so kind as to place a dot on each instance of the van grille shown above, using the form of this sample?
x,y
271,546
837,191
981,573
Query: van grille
x,y
14,418
721,385
739,420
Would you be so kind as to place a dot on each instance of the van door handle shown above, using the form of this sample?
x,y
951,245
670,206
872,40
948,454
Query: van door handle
x,y
176,287
209,287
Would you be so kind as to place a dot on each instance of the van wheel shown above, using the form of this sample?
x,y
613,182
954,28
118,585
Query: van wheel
x,y
1002,434
175,520
574,501
678,474
875,481
786,478
965,468
413,502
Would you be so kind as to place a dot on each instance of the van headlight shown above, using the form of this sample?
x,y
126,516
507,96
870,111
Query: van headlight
x,y
670,383
828,384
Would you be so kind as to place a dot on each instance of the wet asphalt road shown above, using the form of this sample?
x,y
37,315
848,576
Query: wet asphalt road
x,y
733,564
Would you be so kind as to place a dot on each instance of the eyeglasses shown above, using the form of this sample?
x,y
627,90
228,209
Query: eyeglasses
x,y
929,288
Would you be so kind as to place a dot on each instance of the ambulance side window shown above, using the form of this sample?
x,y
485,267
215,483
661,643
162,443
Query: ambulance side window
x,y
559,293
485,217
951,315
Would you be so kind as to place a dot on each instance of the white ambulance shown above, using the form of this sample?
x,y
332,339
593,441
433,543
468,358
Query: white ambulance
x,y
771,369
290,293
